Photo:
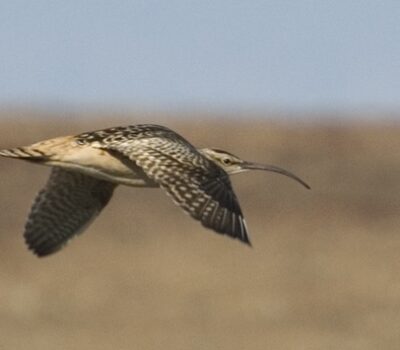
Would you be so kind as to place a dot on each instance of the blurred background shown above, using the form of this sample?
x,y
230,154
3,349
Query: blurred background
x,y
310,86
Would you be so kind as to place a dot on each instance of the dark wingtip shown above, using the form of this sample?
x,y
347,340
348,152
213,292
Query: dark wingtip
x,y
247,242
244,238
42,252
41,249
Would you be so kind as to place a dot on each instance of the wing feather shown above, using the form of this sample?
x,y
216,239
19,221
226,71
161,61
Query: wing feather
x,y
63,208
199,186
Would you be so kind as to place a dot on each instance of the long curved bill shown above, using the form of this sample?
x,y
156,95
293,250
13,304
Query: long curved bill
x,y
275,169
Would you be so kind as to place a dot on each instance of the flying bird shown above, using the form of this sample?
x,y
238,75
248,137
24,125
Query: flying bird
x,y
87,167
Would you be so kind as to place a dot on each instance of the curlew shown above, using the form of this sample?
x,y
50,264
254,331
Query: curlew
x,y
87,167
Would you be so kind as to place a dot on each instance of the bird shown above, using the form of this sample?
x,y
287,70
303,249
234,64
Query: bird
x,y
86,169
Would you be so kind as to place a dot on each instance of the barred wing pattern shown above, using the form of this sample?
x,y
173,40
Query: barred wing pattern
x,y
195,183
63,208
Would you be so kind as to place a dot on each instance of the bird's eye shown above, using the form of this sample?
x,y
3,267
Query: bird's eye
x,y
226,161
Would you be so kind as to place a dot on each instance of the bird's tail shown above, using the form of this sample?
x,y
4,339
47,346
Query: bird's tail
x,y
26,153
41,151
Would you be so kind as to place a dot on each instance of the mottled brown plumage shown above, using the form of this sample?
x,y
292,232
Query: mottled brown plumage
x,y
87,168
64,207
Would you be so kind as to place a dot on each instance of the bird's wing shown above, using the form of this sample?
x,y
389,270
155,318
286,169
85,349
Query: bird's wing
x,y
196,184
63,208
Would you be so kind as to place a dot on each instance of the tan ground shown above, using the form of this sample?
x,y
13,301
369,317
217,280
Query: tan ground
x,y
324,272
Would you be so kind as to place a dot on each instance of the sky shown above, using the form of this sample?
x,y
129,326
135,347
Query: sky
x,y
286,55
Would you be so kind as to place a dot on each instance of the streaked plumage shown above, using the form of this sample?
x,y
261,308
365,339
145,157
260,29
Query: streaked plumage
x,y
65,206
87,168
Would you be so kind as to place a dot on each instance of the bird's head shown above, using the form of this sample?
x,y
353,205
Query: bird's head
x,y
234,165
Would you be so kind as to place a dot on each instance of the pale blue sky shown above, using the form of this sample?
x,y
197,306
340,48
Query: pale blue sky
x,y
294,55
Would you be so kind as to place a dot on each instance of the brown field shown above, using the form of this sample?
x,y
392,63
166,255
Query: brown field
x,y
324,272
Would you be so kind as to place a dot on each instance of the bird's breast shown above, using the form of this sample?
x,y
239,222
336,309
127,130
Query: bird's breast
x,y
101,164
